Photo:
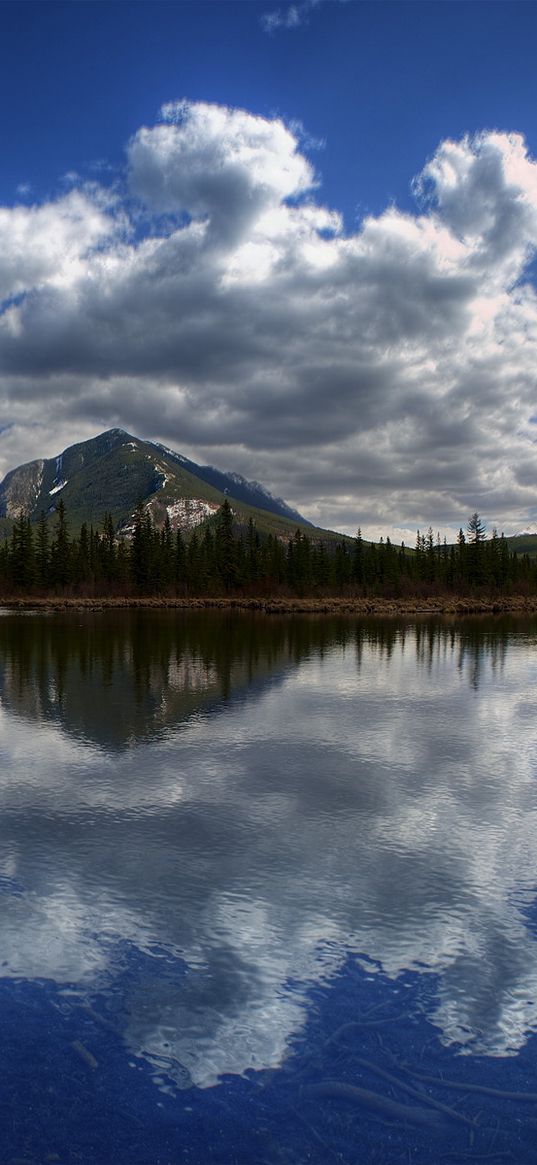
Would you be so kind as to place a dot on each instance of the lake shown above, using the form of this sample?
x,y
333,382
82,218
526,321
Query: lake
x,y
267,889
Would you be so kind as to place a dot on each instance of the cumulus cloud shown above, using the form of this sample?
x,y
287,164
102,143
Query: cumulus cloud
x,y
384,377
46,245
222,166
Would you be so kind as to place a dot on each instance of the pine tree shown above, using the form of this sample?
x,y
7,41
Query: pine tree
x,y
225,546
320,566
167,554
60,556
142,550
476,529
82,572
4,564
22,562
194,567
251,553
180,560
108,549
42,553
208,561
358,559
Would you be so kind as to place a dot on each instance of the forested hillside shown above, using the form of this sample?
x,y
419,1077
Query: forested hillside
x,y
221,558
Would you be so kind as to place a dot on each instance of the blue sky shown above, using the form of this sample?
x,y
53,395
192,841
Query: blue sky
x,y
252,276
379,83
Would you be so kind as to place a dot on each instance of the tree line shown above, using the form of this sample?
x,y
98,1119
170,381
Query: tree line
x,y
221,558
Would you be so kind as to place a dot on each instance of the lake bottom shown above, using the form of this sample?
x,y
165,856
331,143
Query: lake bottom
x,y
357,1086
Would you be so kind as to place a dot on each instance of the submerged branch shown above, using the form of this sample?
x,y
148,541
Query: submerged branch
x,y
464,1086
423,1096
381,1105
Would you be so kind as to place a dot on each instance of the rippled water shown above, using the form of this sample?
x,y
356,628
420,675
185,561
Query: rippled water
x,y
259,878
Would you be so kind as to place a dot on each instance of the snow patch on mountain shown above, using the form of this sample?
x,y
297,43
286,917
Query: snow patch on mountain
x,y
530,528
171,452
187,513
163,477
240,480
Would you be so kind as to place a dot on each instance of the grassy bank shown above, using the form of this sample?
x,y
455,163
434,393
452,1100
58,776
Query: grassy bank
x,y
439,605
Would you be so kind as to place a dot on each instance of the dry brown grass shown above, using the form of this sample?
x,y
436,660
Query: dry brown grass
x,y
439,605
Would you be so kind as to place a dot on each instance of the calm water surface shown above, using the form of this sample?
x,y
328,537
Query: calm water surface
x,y
266,887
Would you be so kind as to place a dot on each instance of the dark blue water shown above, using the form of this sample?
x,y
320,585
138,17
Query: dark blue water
x,y
267,890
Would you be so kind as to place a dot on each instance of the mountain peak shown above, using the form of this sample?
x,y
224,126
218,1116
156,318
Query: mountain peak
x,y
115,471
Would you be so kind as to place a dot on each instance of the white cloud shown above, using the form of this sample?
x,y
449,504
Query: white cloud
x,y
46,245
383,378
218,165
294,16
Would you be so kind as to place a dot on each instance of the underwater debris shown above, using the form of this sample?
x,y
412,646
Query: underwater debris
x,y
423,1096
84,1053
99,1019
465,1086
382,1105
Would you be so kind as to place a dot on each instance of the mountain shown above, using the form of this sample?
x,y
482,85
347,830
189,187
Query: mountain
x,y
115,471
525,543
236,486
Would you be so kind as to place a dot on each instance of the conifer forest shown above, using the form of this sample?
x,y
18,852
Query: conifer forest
x,y
225,558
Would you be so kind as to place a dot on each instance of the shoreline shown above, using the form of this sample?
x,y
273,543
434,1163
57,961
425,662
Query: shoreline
x,y
439,605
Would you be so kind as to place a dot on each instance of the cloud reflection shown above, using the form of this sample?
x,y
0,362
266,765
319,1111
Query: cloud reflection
x,y
376,798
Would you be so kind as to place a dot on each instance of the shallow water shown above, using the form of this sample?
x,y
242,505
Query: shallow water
x,y
259,877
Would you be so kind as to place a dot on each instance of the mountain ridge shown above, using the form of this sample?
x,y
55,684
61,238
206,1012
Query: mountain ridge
x,y
115,471
240,487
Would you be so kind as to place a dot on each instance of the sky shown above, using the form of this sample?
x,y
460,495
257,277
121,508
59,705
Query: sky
x,y
295,241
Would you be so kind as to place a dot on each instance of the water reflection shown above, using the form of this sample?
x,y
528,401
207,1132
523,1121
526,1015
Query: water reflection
x,y
117,678
201,817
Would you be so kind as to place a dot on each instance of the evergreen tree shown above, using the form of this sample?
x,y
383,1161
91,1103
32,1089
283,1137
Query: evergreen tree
x,y
358,559
142,550
4,564
299,562
251,555
320,566
194,565
180,560
82,571
108,549
122,564
209,572
476,529
22,562
167,554
273,562
343,565
225,546
42,553
60,557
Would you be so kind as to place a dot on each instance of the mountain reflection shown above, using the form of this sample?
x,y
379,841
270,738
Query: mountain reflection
x,y
378,798
116,678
